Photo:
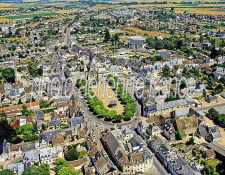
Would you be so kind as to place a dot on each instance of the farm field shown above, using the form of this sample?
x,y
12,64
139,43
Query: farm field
x,y
206,11
102,6
178,1
119,109
10,6
29,15
5,20
66,11
149,33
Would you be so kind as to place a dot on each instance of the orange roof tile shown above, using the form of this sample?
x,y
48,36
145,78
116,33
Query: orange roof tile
x,y
19,106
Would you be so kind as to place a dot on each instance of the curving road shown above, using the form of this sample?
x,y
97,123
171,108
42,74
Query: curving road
x,y
133,124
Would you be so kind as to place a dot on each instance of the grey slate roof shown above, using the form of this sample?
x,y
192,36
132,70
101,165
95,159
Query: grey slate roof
x,y
48,136
203,132
134,142
75,121
31,156
217,148
26,148
216,135
112,143
182,112
40,117
171,104
137,42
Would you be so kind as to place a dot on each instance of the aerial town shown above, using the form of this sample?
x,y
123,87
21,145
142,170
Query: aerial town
x,y
112,88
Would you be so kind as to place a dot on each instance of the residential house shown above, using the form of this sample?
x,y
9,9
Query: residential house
x,y
208,154
155,143
218,149
168,131
212,99
187,126
136,44
131,163
30,158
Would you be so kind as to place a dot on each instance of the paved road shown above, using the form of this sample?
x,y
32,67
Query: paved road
x,y
67,36
219,107
157,164
133,124
13,161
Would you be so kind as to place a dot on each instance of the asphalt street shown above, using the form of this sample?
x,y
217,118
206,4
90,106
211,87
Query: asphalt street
x,y
220,107
133,124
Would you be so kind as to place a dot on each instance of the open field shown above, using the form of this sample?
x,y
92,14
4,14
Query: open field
x,y
149,33
66,11
5,20
29,15
206,11
10,6
170,1
102,6
103,92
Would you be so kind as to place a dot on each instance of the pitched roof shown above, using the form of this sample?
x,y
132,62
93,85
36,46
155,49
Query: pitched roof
x,y
79,162
112,143
210,153
88,171
19,106
137,158
58,139
100,163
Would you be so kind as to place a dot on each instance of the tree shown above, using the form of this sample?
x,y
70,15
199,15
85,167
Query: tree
x,y
43,126
172,9
210,170
43,169
25,111
107,36
20,102
159,45
213,113
60,163
191,141
71,155
179,135
3,115
9,74
117,37
26,129
34,70
166,71
6,131
6,172
128,115
118,118
111,114
34,124
219,88
183,85
67,171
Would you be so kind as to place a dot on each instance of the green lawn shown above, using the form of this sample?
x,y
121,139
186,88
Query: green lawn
x,y
213,162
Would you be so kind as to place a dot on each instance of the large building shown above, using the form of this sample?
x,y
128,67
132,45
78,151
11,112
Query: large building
x,y
126,151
